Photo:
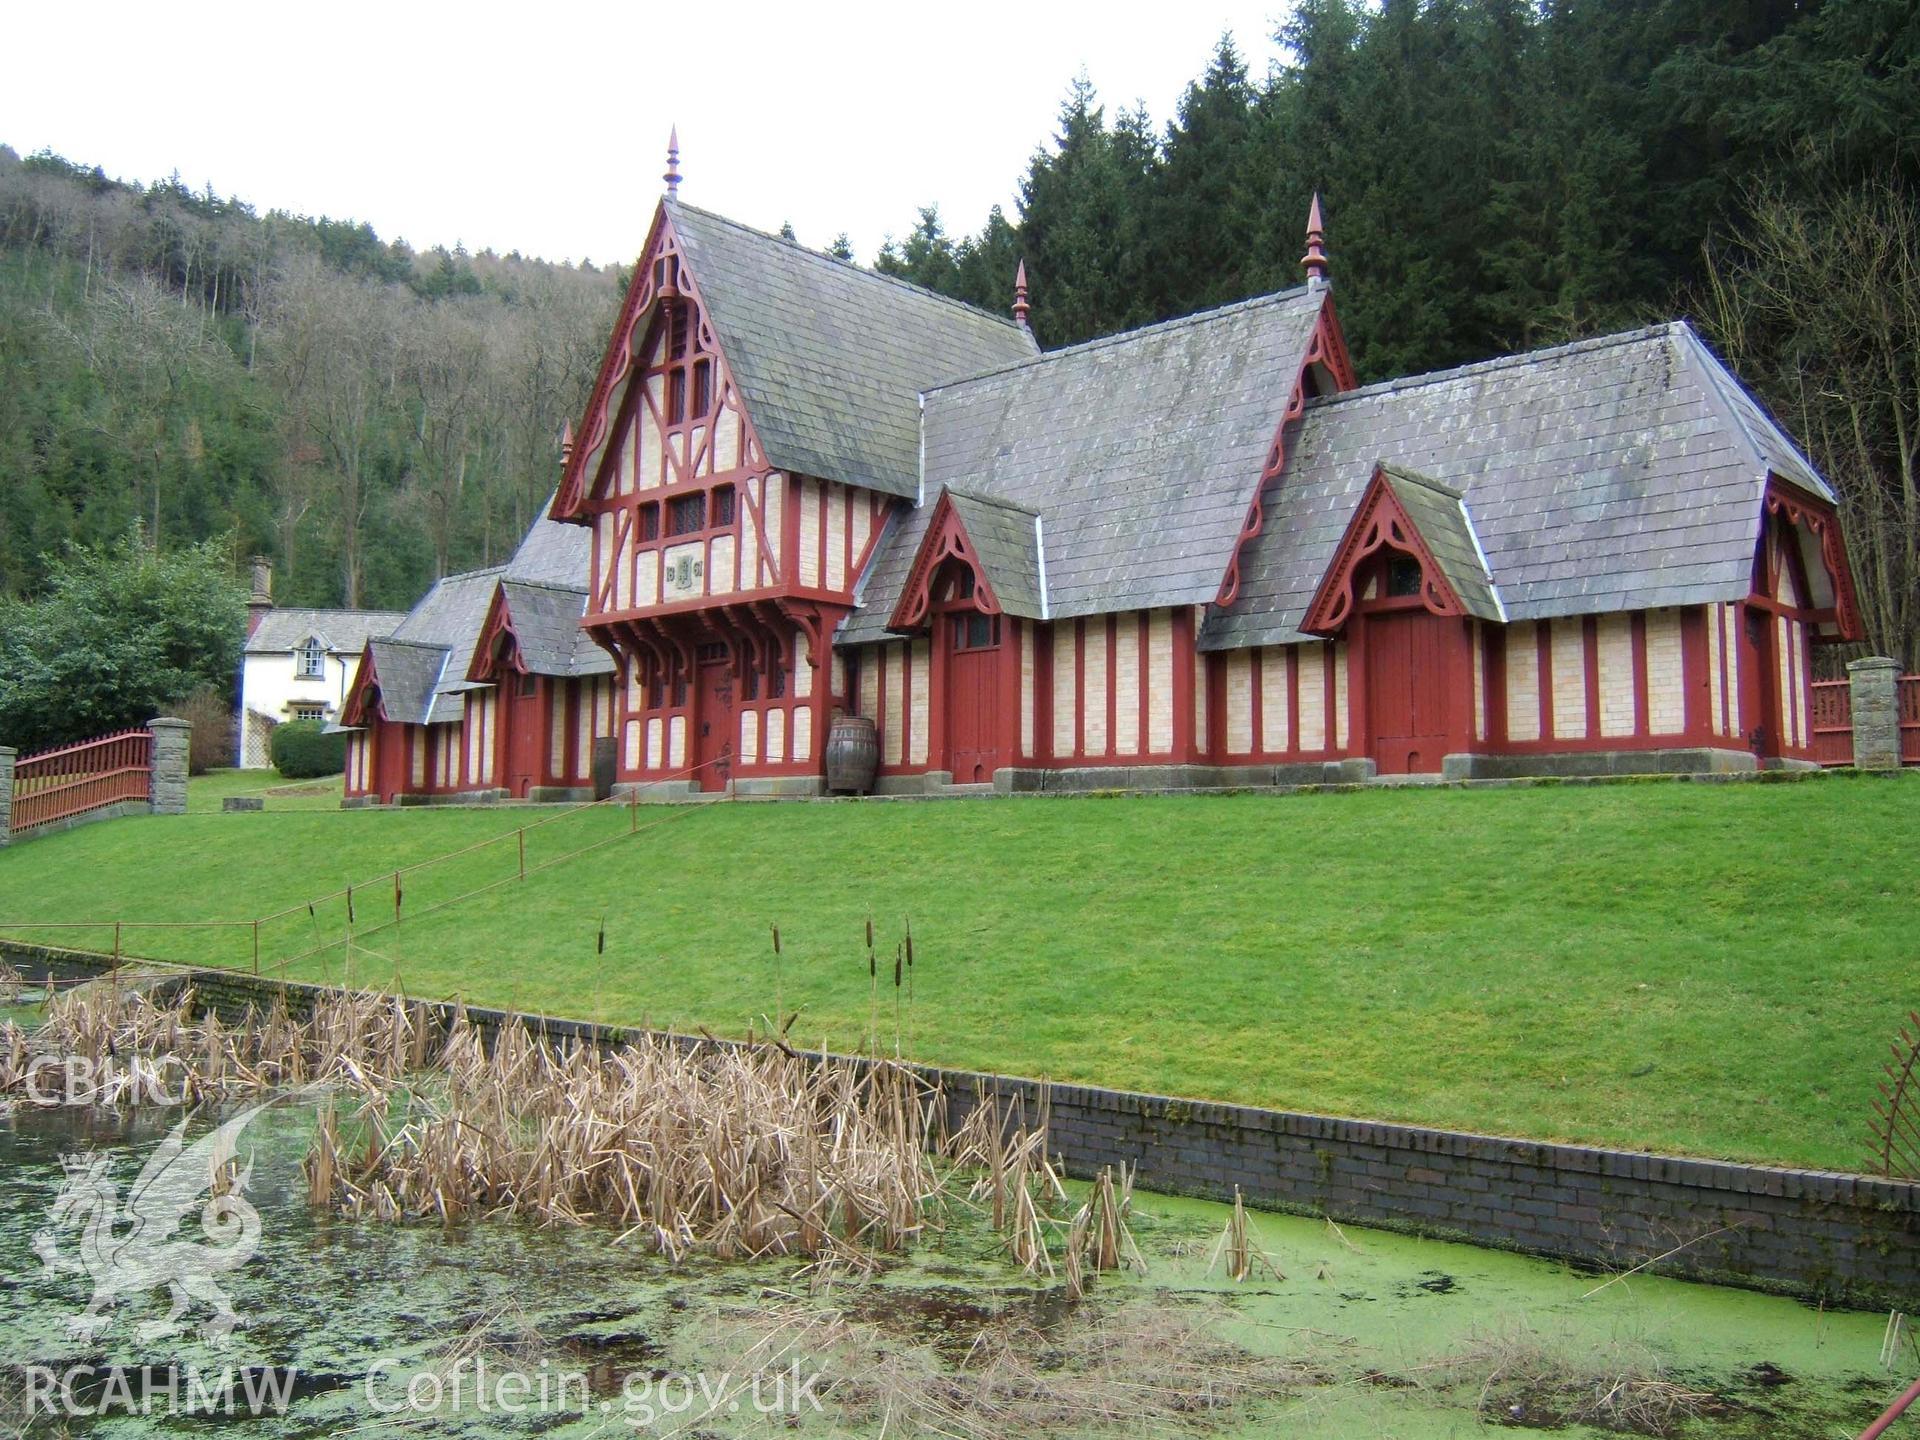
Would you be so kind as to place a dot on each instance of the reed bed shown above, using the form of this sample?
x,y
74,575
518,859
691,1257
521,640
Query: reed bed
x,y
737,1151
133,1044
734,1151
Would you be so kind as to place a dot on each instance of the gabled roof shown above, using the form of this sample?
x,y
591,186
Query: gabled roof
x,y
1439,513
1006,537
1139,452
1618,473
545,620
344,632
407,673
450,615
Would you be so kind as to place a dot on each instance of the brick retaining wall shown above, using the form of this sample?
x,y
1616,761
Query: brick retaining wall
x,y
1846,1238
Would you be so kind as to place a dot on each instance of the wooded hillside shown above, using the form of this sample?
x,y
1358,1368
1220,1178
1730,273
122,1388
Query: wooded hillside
x,y
1498,175
369,416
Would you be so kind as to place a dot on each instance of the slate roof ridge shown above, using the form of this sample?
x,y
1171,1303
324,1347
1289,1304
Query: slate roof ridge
x,y
987,497
411,644
1419,477
1718,376
580,590
1123,337
1498,362
330,610
851,265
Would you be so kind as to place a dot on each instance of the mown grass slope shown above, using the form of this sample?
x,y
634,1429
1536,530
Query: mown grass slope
x,y
1711,969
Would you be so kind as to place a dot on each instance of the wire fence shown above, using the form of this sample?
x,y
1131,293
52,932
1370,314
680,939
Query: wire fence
x,y
380,903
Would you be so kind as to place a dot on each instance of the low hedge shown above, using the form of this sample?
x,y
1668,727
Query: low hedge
x,y
303,750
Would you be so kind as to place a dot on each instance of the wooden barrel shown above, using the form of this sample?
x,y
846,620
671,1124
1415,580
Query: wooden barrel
x,y
853,754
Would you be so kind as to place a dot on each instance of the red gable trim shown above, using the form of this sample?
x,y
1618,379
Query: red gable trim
x,y
1380,521
1326,347
946,539
364,692
1821,520
623,346
485,665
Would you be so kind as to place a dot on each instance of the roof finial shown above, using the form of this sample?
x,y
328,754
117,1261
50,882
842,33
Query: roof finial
x,y
566,442
1020,306
672,177
1316,257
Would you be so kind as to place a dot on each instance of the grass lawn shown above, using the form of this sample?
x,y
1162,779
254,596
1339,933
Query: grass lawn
x,y
207,791
1710,969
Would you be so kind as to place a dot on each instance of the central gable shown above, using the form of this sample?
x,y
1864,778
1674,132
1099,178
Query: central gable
x,y
821,362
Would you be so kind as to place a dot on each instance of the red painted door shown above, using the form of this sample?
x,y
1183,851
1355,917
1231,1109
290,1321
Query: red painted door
x,y
973,696
389,760
1408,689
526,736
715,723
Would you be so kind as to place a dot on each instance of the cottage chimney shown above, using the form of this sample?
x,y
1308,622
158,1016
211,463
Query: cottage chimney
x,y
672,177
1316,257
1020,306
261,601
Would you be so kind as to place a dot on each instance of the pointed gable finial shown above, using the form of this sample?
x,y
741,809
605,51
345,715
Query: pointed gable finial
x,y
1316,257
1020,306
566,442
672,177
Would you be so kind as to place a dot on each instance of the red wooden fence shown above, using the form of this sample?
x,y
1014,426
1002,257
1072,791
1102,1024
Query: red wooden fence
x,y
1833,720
56,784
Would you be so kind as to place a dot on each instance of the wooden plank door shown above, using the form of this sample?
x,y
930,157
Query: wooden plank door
x,y
715,723
525,736
973,697
1408,686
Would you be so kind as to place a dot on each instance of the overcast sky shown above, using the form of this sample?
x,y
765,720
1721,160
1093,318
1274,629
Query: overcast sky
x,y
543,127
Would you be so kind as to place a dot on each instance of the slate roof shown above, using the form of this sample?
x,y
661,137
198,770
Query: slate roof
x,y
830,358
1139,452
1440,515
1007,540
408,672
1611,474
450,616
546,621
345,632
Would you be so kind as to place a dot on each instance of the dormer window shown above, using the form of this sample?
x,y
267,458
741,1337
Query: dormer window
x,y
310,660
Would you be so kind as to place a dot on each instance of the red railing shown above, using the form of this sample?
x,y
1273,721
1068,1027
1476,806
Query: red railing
x,y
58,784
1832,724
1833,720
1907,702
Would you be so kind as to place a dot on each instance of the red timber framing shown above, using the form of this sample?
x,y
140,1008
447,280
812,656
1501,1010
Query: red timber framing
x,y
1325,369
543,728
717,581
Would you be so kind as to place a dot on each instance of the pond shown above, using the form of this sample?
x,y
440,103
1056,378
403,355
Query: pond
x,y
508,1328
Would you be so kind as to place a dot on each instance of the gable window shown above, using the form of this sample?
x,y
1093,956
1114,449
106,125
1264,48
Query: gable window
x,y
702,387
1403,576
686,513
310,661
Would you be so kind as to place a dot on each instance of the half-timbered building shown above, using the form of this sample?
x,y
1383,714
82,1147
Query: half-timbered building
x,y
1194,554
489,689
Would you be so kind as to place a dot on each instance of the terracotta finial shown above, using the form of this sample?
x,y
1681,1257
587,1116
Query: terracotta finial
x,y
672,177
566,442
1316,257
1020,306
